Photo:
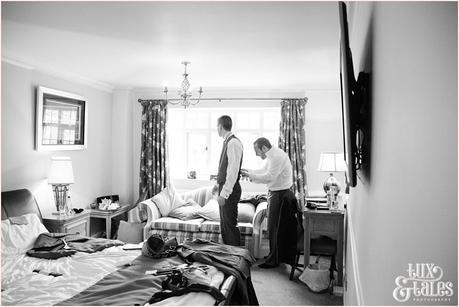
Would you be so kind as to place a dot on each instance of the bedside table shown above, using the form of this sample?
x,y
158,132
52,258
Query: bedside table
x,y
76,223
328,223
107,215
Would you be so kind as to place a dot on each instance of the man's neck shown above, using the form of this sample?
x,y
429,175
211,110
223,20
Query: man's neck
x,y
269,152
226,135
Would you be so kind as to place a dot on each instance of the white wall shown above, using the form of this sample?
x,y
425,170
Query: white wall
x,y
23,167
406,212
323,133
122,146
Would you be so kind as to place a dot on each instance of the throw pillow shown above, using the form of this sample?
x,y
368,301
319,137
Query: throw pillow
x,y
130,232
162,200
17,239
245,212
186,212
167,200
176,200
210,211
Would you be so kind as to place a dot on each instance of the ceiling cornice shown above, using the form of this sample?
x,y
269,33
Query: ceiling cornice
x,y
61,75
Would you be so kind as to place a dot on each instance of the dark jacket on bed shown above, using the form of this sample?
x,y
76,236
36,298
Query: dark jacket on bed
x,y
231,260
57,245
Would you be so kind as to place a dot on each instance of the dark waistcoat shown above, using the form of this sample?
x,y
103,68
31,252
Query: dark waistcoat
x,y
223,165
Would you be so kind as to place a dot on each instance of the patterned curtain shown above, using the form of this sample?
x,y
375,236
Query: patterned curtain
x,y
292,141
154,173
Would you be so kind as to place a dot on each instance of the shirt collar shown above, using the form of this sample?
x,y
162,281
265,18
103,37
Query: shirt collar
x,y
270,152
227,135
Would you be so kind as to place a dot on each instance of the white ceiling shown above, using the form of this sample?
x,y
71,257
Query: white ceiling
x,y
140,45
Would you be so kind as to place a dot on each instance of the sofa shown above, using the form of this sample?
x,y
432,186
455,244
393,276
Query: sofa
x,y
194,215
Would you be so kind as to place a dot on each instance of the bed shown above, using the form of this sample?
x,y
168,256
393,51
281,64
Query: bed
x,y
113,276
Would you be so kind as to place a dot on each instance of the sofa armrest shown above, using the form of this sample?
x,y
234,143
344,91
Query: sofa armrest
x,y
258,217
152,215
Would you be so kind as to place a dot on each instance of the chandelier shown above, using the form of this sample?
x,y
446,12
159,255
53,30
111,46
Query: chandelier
x,y
185,92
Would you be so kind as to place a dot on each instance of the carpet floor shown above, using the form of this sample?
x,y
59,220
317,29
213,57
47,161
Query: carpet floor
x,y
274,288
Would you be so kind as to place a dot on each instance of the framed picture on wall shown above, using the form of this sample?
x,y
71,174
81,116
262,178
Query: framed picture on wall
x,y
61,120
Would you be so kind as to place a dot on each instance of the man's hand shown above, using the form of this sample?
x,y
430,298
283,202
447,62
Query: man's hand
x,y
245,174
221,201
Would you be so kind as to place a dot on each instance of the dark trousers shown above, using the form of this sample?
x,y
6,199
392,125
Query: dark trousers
x,y
275,199
274,206
228,217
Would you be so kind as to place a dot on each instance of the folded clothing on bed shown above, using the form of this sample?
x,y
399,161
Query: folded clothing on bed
x,y
57,245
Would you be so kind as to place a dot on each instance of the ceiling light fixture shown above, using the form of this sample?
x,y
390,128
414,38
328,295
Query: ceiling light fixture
x,y
185,92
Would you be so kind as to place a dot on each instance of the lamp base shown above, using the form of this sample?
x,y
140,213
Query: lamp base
x,y
332,187
60,198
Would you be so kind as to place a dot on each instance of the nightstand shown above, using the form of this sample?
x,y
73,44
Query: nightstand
x,y
76,223
107,215
327,223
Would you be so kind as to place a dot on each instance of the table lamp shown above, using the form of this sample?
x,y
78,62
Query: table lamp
x,y
331,162
60,176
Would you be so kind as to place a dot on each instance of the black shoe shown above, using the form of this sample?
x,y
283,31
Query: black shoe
x,y
267,265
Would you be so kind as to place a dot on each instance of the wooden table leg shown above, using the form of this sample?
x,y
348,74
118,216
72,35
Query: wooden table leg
x,y
108,226
307,241
339,256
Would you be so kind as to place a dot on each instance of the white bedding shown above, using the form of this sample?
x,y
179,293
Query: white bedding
x,y
20,286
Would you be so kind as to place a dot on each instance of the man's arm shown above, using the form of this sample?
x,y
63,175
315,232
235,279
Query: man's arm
x,y
273,170
251,172
261,170
234,152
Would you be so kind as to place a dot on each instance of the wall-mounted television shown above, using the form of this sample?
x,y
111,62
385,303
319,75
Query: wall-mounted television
x,y
348,99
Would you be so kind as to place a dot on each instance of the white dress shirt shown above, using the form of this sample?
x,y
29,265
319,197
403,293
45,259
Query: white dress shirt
x,y
234,151
277,171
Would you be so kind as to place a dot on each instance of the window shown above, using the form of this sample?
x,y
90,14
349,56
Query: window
x,y
194,144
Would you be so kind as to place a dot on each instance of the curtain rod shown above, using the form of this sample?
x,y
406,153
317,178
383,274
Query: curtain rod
x,y
220,99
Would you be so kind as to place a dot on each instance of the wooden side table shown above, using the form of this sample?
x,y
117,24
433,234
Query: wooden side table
x,y
108,215
76,223
326,223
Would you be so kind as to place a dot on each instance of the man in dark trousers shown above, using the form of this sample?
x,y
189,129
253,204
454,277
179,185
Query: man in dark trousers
x,y
229,189
277,175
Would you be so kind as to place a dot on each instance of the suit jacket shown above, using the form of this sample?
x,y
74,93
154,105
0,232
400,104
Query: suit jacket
x,y
290,225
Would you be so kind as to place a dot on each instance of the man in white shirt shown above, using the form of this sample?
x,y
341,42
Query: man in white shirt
x,y
229,189
277,175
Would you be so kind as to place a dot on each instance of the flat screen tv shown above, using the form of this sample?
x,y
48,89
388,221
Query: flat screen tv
x,y
348,103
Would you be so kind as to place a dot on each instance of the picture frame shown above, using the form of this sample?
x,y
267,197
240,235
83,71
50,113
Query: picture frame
x,y
61,120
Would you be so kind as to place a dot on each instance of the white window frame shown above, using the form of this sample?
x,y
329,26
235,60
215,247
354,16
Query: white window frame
x,y
212,128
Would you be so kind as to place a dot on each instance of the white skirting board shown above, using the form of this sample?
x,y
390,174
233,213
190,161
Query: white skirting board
x,y
355,266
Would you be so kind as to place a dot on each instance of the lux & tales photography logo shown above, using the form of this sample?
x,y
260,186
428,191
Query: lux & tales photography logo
x,y
423,283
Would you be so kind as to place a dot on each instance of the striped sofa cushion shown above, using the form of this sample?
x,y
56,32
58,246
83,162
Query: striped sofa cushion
x,y
170,223
246,240
214,227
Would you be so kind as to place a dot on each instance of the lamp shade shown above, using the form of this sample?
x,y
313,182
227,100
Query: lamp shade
x,y
332,162
61,171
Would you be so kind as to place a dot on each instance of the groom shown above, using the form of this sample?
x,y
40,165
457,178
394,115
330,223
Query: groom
x,y
229,189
